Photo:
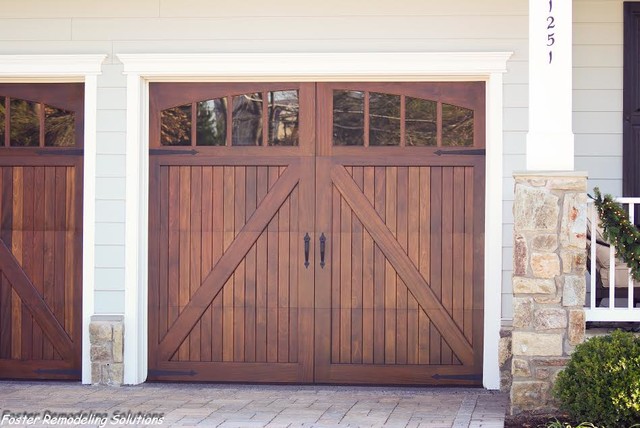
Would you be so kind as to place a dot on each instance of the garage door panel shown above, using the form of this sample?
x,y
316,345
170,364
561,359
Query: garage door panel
x,y
40,269
373,242
230,240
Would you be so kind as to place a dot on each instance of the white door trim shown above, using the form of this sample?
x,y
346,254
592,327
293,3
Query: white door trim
x,y
314,67
71,68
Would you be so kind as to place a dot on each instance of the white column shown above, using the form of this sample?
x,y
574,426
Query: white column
x,y
550,137
135,290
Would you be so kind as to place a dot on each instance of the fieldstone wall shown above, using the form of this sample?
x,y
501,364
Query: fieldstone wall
x,y
549,286
106,334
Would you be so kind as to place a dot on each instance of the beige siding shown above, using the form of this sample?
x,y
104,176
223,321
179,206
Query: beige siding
x,y
124,26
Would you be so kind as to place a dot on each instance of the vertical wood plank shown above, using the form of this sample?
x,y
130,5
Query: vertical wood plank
x,y
447,251
49,247
356,276
345,280
262,184
195,256
38,254
163,252
28,323
173,247
206,262
6,291
250,270
272,279
227,292
458,261
336,267
413,242
401,290
16,249
184,292
295,238
239,275
390,273
368,275
379,272
435,261
468,253
425,259
70,250
283,281
60,236
217,308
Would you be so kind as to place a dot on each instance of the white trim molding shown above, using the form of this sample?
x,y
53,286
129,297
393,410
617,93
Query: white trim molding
x,y
321,67
72,68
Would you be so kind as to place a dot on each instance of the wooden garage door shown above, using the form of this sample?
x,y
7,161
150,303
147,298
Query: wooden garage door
x,y
317,232
41,139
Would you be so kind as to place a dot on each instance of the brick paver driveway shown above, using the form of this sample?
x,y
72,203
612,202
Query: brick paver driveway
x,y
211,405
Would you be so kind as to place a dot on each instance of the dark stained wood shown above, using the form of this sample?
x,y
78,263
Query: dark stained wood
x,y
41,245
399,299
631,102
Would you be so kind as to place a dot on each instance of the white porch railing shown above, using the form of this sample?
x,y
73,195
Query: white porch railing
x,y
610,303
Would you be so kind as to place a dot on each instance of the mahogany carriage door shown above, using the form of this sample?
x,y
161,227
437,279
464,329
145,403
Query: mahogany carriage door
x,y
231,230
41,164
400,208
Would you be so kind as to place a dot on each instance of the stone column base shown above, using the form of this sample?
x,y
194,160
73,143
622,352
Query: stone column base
x,y
106,334
549,263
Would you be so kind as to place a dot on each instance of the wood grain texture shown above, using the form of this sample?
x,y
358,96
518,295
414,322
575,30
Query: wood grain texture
x,y
397,300
41,245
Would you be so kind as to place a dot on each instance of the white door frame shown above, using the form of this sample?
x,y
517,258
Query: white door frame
x,y
71,68
313,67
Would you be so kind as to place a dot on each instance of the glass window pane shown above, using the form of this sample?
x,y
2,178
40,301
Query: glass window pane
x,y
384,119
211,128
59,127
24,123
2,117
348,118
457,126
420,122
283,118
247,120
175,125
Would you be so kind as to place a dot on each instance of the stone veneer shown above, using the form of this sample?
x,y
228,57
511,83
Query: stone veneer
x,y
106,334
549,263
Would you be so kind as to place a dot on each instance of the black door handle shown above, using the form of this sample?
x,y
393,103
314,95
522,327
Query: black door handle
x,y
323,243
307,239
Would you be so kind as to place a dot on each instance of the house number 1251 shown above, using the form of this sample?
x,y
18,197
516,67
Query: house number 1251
x,y
550,34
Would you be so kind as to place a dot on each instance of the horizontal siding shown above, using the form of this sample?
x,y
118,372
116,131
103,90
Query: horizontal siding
x,y
355,9
79,9
286,28
109,279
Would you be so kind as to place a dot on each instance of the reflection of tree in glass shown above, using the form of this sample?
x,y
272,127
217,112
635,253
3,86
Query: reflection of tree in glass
x,y
247,120
211,122
457,126
283,118
175,126
59,127
420,122
384,119
348,118
24,126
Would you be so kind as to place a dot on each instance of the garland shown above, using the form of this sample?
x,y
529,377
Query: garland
x,y
619,231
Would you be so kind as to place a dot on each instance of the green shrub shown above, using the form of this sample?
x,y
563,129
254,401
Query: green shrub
x,y
601,382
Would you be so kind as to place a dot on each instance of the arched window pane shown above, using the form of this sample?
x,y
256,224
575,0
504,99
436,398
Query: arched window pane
x,y
175,125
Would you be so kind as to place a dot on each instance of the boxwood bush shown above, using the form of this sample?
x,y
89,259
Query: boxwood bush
x,y
601,382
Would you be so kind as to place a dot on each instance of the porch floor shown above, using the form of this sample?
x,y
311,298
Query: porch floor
x,y
213,405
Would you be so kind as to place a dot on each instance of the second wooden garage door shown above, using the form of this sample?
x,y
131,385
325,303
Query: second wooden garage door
x,y
317,232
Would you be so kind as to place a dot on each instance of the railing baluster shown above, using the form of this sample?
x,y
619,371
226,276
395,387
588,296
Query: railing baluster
x,y
610,313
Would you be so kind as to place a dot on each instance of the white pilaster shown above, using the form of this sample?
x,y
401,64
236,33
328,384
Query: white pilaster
x,y
550,137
